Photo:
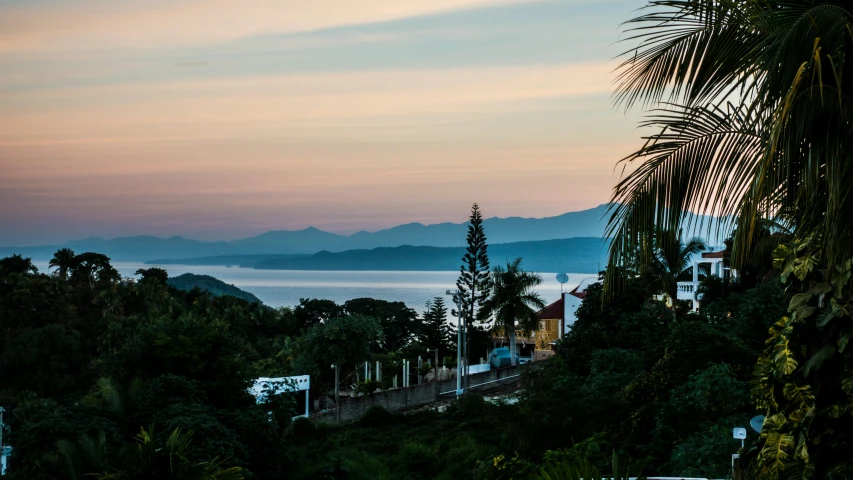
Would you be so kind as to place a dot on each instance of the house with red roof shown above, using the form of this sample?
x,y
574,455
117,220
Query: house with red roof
x,y
555,320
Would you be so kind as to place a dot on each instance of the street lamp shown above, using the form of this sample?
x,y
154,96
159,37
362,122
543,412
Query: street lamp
x,y
457,299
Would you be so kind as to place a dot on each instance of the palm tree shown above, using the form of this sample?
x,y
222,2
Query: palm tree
x,y
748,99
513,301
752,105
670,259
63,259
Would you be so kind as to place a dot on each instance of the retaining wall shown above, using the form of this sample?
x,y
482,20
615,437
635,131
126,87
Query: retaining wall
x,y
415,395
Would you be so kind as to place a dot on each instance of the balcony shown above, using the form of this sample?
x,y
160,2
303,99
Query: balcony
x,y
687,290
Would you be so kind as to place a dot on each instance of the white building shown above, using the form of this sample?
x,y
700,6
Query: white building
x,y
688,290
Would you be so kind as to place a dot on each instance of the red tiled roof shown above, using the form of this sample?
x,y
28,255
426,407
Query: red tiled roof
x,y
555,310
576,293
720,254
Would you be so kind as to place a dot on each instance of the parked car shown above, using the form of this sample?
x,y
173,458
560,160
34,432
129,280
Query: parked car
x,y
499,357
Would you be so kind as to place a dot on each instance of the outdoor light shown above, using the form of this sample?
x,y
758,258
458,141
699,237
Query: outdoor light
x,y
739,434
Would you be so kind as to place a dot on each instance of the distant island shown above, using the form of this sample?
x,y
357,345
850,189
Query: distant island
x,y
215,287
582,254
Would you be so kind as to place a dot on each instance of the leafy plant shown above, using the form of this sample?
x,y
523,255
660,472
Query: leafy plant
x,y
804,380
170,460
581,469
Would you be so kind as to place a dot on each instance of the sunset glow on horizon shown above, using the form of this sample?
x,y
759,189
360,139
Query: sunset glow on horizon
x,y
217,119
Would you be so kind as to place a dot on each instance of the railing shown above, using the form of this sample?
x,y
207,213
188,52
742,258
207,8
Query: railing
x,y
549,331
686,290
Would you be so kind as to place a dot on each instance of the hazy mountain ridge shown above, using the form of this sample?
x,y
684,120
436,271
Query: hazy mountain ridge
x,y
584,223
580,254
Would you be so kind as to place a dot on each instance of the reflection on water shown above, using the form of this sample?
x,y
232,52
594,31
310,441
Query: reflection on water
x,y
279,288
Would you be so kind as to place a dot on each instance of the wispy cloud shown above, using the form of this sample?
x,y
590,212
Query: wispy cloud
x,y
207,116
269,106
65,24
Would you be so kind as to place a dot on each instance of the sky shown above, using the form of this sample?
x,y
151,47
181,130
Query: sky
x,y
221,119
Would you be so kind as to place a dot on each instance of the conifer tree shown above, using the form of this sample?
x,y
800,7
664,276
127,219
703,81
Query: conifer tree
x,y
435,331
473,283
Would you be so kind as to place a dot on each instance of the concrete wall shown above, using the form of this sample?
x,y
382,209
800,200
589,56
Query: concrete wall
x,y
401,398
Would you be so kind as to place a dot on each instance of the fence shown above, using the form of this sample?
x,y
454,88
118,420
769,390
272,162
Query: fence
x,y
416,395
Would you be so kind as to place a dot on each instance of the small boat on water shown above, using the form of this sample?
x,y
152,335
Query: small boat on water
x,y
227,266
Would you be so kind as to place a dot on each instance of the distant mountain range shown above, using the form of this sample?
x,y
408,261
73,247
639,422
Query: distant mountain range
x,y
581,254
568,242
585,223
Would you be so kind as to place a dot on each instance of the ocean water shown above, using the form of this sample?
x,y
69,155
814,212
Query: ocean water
x,y
284,288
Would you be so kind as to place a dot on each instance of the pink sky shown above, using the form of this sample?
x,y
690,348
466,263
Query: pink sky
x,y
221,120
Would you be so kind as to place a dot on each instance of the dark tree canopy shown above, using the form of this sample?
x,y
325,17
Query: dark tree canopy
x,y
435,331
312,311
399,322
156,276
16,264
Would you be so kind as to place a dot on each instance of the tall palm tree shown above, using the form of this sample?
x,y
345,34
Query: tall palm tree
x,y
751,101
63,259
670,259
752,108
513,301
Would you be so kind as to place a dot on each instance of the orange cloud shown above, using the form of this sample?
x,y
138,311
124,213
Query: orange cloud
x,y
342,106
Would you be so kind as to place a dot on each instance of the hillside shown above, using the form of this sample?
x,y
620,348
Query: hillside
x,y
214,286
584,254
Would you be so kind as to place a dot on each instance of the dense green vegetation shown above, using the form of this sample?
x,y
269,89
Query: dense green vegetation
x,y
99,371
626,379
213,286
90,360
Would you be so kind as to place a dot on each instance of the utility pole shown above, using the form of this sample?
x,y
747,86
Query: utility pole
x,y
435,374
465,356
337,392
458,301
436,365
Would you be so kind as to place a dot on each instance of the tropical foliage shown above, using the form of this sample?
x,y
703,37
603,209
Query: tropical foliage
x,y
669,261
87,358
86,365
751,119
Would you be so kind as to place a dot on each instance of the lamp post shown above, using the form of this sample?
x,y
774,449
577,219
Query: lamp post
x,y
337,392
435,373
457,299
